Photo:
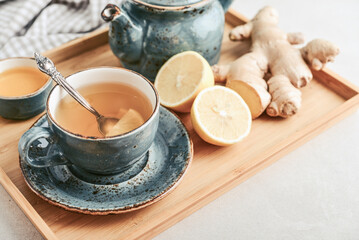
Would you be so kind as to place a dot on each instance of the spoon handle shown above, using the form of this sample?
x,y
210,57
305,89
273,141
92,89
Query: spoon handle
x,y
57,77
47,66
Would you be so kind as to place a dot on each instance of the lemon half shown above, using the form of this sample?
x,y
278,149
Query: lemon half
x,y
181,78
220,116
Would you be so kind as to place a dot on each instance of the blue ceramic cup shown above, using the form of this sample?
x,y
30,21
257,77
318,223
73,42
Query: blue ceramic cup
x,y
26,106
46,147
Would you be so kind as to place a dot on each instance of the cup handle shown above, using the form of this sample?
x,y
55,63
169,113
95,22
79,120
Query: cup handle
x,y
38,147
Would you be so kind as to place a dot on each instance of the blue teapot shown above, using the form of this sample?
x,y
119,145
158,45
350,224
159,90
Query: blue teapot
x,y
144,34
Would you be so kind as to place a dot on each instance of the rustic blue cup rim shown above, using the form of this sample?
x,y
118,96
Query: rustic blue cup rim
x,y
82,137
27,96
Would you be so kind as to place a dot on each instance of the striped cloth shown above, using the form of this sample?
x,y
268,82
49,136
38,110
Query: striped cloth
x,y
39,25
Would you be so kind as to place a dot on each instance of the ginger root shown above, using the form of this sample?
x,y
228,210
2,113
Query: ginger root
x,y
318,52
272,51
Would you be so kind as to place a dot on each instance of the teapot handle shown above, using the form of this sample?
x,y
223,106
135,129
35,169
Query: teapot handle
x,y
109,12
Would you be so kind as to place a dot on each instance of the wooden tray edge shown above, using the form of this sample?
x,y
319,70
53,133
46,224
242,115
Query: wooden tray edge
x,y
78,45
26,207
93,39
233,180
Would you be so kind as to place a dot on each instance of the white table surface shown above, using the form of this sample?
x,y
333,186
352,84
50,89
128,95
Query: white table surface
x,y
312,193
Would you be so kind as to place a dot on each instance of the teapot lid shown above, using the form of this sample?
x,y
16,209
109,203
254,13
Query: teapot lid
x,y
171,3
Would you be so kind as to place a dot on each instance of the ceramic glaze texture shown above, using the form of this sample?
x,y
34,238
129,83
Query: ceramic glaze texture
x,y
144,36
146,182
23,107
96,155
106,156
171,2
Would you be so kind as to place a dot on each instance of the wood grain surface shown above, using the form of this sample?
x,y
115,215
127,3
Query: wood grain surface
x,y
214,170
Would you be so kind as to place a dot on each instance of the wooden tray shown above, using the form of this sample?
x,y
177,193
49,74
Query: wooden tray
x,y
214,170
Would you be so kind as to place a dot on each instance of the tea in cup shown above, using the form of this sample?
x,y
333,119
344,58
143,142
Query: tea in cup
x,y
121,101
73,136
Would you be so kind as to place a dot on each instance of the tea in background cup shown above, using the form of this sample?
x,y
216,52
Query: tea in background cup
x,y
96,154
23,88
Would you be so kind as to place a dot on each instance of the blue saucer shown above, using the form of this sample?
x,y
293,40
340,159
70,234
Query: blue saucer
x,y
146,182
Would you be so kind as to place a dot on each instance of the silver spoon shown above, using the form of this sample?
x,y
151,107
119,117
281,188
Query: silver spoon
x,y
105,124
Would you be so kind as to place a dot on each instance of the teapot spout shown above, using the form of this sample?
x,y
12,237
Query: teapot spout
x,y
225,4
125,34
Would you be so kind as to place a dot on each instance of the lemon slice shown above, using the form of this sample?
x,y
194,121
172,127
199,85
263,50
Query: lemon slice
x,y
131,120
181,78
220,116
